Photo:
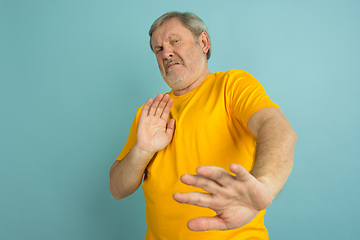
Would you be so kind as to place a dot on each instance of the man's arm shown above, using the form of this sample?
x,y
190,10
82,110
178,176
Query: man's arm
x,y
126,175
238,199
275,145
153,135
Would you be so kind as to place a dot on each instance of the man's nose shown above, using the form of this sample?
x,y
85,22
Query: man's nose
x,y
168,53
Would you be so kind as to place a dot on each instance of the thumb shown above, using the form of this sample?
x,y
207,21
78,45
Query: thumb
x,y
241,173
207,223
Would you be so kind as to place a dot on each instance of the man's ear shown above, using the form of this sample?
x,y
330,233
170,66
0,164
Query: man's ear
x,y
204,42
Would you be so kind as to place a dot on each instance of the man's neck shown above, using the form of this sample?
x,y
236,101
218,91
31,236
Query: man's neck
x,y
192,86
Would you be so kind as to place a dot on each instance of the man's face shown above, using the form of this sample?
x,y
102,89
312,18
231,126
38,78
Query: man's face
x,y
181,58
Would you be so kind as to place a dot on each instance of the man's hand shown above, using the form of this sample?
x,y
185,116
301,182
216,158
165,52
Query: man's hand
x,y
153,134
235,199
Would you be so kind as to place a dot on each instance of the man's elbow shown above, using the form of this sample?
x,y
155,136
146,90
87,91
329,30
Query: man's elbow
x,y
292,135
287,132
116,193
291,138
117,197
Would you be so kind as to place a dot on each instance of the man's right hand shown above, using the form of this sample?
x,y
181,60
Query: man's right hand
x,y
154,133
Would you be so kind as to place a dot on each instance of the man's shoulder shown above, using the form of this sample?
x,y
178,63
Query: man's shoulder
x,y
233,75
237,73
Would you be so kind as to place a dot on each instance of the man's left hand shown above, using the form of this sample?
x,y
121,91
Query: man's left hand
x,y
235,199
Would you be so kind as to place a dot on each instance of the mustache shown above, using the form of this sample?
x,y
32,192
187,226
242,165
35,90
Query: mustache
x,y
175,59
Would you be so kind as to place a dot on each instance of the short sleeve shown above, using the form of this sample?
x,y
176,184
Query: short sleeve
x,y
246,96
131,138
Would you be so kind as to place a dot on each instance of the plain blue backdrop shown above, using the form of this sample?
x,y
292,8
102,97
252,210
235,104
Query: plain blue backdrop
x,y
73,73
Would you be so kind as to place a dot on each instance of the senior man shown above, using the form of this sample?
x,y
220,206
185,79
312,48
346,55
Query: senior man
x,y
218,132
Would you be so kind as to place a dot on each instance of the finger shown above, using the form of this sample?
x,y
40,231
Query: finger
x,y
166,111
162,104
241,173
170,127
219,175
198,181
145,110
194,198
155,104
207,223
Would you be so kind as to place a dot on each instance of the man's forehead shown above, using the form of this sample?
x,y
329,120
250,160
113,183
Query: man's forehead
x,y
169,29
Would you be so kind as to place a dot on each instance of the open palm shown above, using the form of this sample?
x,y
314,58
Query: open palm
x,y
235,199
154,133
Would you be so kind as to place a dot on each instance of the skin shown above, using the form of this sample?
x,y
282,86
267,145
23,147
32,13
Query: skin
x,y
236,197
181,58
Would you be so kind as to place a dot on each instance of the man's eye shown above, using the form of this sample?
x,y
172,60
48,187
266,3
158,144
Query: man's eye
x,y
176,41
158,50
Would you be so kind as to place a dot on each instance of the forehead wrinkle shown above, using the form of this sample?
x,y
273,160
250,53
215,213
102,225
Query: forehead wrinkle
x,y
166,31
173,35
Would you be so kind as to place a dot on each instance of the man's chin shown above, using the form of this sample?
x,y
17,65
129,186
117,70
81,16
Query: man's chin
x,y
174,82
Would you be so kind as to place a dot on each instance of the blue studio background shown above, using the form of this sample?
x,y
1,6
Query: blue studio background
x,y
73,73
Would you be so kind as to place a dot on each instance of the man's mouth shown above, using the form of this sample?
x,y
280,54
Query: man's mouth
x,y
172,64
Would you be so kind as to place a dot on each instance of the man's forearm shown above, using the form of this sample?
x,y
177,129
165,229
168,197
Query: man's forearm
x,y
274,154
126,175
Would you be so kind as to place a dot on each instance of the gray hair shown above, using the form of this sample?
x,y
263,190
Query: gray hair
x,y
189,20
